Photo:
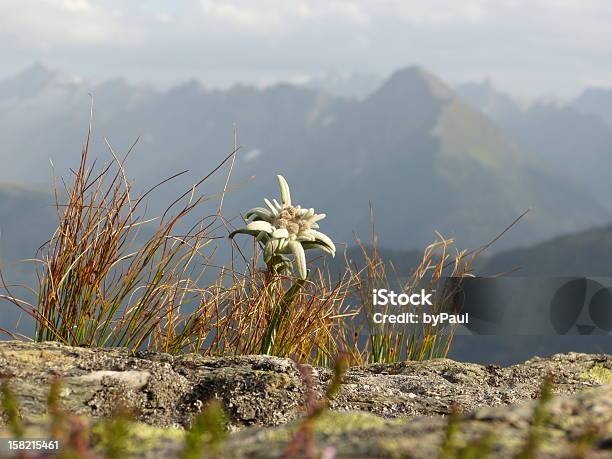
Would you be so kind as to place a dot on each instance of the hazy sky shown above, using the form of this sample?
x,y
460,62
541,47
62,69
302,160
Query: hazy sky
x,y
529,47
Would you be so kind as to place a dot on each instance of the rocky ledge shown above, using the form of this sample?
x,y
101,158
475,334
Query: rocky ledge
x,y
260,391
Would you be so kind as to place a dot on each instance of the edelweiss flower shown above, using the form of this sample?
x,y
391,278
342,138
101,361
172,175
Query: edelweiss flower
x,y
286,229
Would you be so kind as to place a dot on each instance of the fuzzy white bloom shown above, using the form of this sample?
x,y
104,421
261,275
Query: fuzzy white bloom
x,y
285,229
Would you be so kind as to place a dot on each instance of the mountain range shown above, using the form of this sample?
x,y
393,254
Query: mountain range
x,y
571,140
584,254
425,156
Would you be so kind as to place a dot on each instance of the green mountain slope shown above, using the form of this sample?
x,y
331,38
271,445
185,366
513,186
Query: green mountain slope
x,y
427,161
587,253
572,141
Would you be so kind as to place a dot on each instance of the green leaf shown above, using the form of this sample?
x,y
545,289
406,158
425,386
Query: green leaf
x,y
244,231
260,213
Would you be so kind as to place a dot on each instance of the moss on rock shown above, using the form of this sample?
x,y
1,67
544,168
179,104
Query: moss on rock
x,y
598,374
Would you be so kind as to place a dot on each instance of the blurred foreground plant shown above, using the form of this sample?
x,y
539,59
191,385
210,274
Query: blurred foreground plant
x,y
302,445
207,433
113,437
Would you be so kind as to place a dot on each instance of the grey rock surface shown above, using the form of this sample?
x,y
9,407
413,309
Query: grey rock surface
x,y
164,390
381,411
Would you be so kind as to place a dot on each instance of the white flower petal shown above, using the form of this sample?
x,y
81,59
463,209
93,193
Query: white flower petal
x,y
260,212
260,225
317,217
280,233
285,194
282,245
278,206
300,258
318,245
324,248
271,206
324,239
306,236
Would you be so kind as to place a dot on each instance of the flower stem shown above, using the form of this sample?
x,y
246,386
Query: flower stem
x,y
281,308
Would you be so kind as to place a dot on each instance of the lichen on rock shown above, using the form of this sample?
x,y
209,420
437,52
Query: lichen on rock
x,y
167,390
599,374
397,410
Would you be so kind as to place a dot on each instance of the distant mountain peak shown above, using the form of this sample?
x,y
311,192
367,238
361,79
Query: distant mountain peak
x,y
36,69
42,74
34,79
414,78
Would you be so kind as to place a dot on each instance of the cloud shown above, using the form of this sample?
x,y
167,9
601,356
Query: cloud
x,y
555,44
434,13
271,17
245,18
75,23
